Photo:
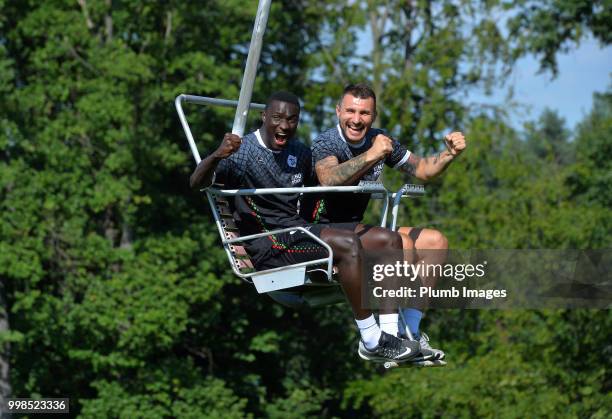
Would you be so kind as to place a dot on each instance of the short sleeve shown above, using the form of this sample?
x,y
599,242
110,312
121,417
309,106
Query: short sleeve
x,y
230,171
324,146
399,156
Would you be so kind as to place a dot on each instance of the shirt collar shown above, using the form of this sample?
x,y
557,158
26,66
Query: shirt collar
x,y
359,144
261,143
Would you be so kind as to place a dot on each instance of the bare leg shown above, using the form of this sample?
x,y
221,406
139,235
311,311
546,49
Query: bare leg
x,y
348,256
431,247
379,238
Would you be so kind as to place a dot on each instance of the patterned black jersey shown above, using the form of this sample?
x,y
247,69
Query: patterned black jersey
x,y
256,166
337,208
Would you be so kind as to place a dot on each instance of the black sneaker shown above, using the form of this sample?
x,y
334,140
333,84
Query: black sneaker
x,y
427,352
426,348
390,348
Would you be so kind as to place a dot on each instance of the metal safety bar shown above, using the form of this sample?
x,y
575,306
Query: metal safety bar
x,y
203,100
306,189
407,190
368,187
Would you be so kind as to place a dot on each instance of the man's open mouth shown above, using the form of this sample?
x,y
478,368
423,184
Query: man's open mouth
x,y
355,131
280,138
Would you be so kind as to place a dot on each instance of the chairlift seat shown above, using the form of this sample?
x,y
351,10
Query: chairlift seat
x,y
293,286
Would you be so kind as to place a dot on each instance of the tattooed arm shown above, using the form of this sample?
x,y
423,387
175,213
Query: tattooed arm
x,y
427,168
331,173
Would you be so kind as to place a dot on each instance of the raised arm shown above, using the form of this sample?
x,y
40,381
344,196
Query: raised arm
x,y
202,176
331,173
427,168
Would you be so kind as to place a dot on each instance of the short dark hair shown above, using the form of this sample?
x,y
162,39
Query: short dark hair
x,y
282,96
359,90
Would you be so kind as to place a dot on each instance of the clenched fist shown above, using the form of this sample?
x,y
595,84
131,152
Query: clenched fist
x,y
455,143
229,145
382,146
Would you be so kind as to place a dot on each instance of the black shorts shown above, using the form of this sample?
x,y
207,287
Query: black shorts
x,y
291,247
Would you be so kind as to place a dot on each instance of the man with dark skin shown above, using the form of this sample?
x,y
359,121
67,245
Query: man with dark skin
x,y
271,158
354,151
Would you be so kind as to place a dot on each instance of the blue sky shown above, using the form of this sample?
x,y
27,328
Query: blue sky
x,y
586,69
582,72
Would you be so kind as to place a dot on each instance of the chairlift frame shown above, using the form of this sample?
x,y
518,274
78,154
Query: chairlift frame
x,y
291,277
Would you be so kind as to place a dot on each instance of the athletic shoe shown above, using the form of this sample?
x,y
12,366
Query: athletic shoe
x,y
390,348
426,348
427,352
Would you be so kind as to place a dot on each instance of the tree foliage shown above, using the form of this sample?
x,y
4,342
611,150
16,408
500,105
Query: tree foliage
x,y
115,290
548,27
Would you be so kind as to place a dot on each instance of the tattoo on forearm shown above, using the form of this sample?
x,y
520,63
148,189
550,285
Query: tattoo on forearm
x,y
436,164
345,173
411,165
347,170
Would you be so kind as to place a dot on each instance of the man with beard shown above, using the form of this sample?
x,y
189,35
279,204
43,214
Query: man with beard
x,y
353,151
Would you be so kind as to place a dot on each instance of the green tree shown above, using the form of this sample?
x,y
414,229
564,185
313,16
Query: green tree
x,y
591,178
117,292
545,28
115,284
424,56
549,138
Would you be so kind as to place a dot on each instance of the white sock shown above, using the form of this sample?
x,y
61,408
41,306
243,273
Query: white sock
x,y
370,332
388,323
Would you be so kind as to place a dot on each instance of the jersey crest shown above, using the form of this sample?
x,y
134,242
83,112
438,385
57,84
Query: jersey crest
x,y
291,160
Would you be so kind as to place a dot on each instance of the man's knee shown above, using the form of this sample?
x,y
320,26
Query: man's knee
x,y
379,238
344,243
407,243
424,238
392,238
436,240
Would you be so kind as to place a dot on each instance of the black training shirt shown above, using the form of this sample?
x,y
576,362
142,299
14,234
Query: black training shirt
x,y
256,166
343,207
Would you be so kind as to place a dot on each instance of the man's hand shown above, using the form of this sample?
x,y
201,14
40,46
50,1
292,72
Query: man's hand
x,y
229,145
382,146
205,172
455,143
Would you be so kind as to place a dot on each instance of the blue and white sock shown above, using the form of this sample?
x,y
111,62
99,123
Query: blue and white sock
x,y
413,317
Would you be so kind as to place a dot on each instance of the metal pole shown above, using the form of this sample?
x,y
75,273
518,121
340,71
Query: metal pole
x,y
246,90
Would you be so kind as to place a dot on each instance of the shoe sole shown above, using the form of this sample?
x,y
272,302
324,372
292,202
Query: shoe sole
x,y
414,364
424,358
381,360
436,355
